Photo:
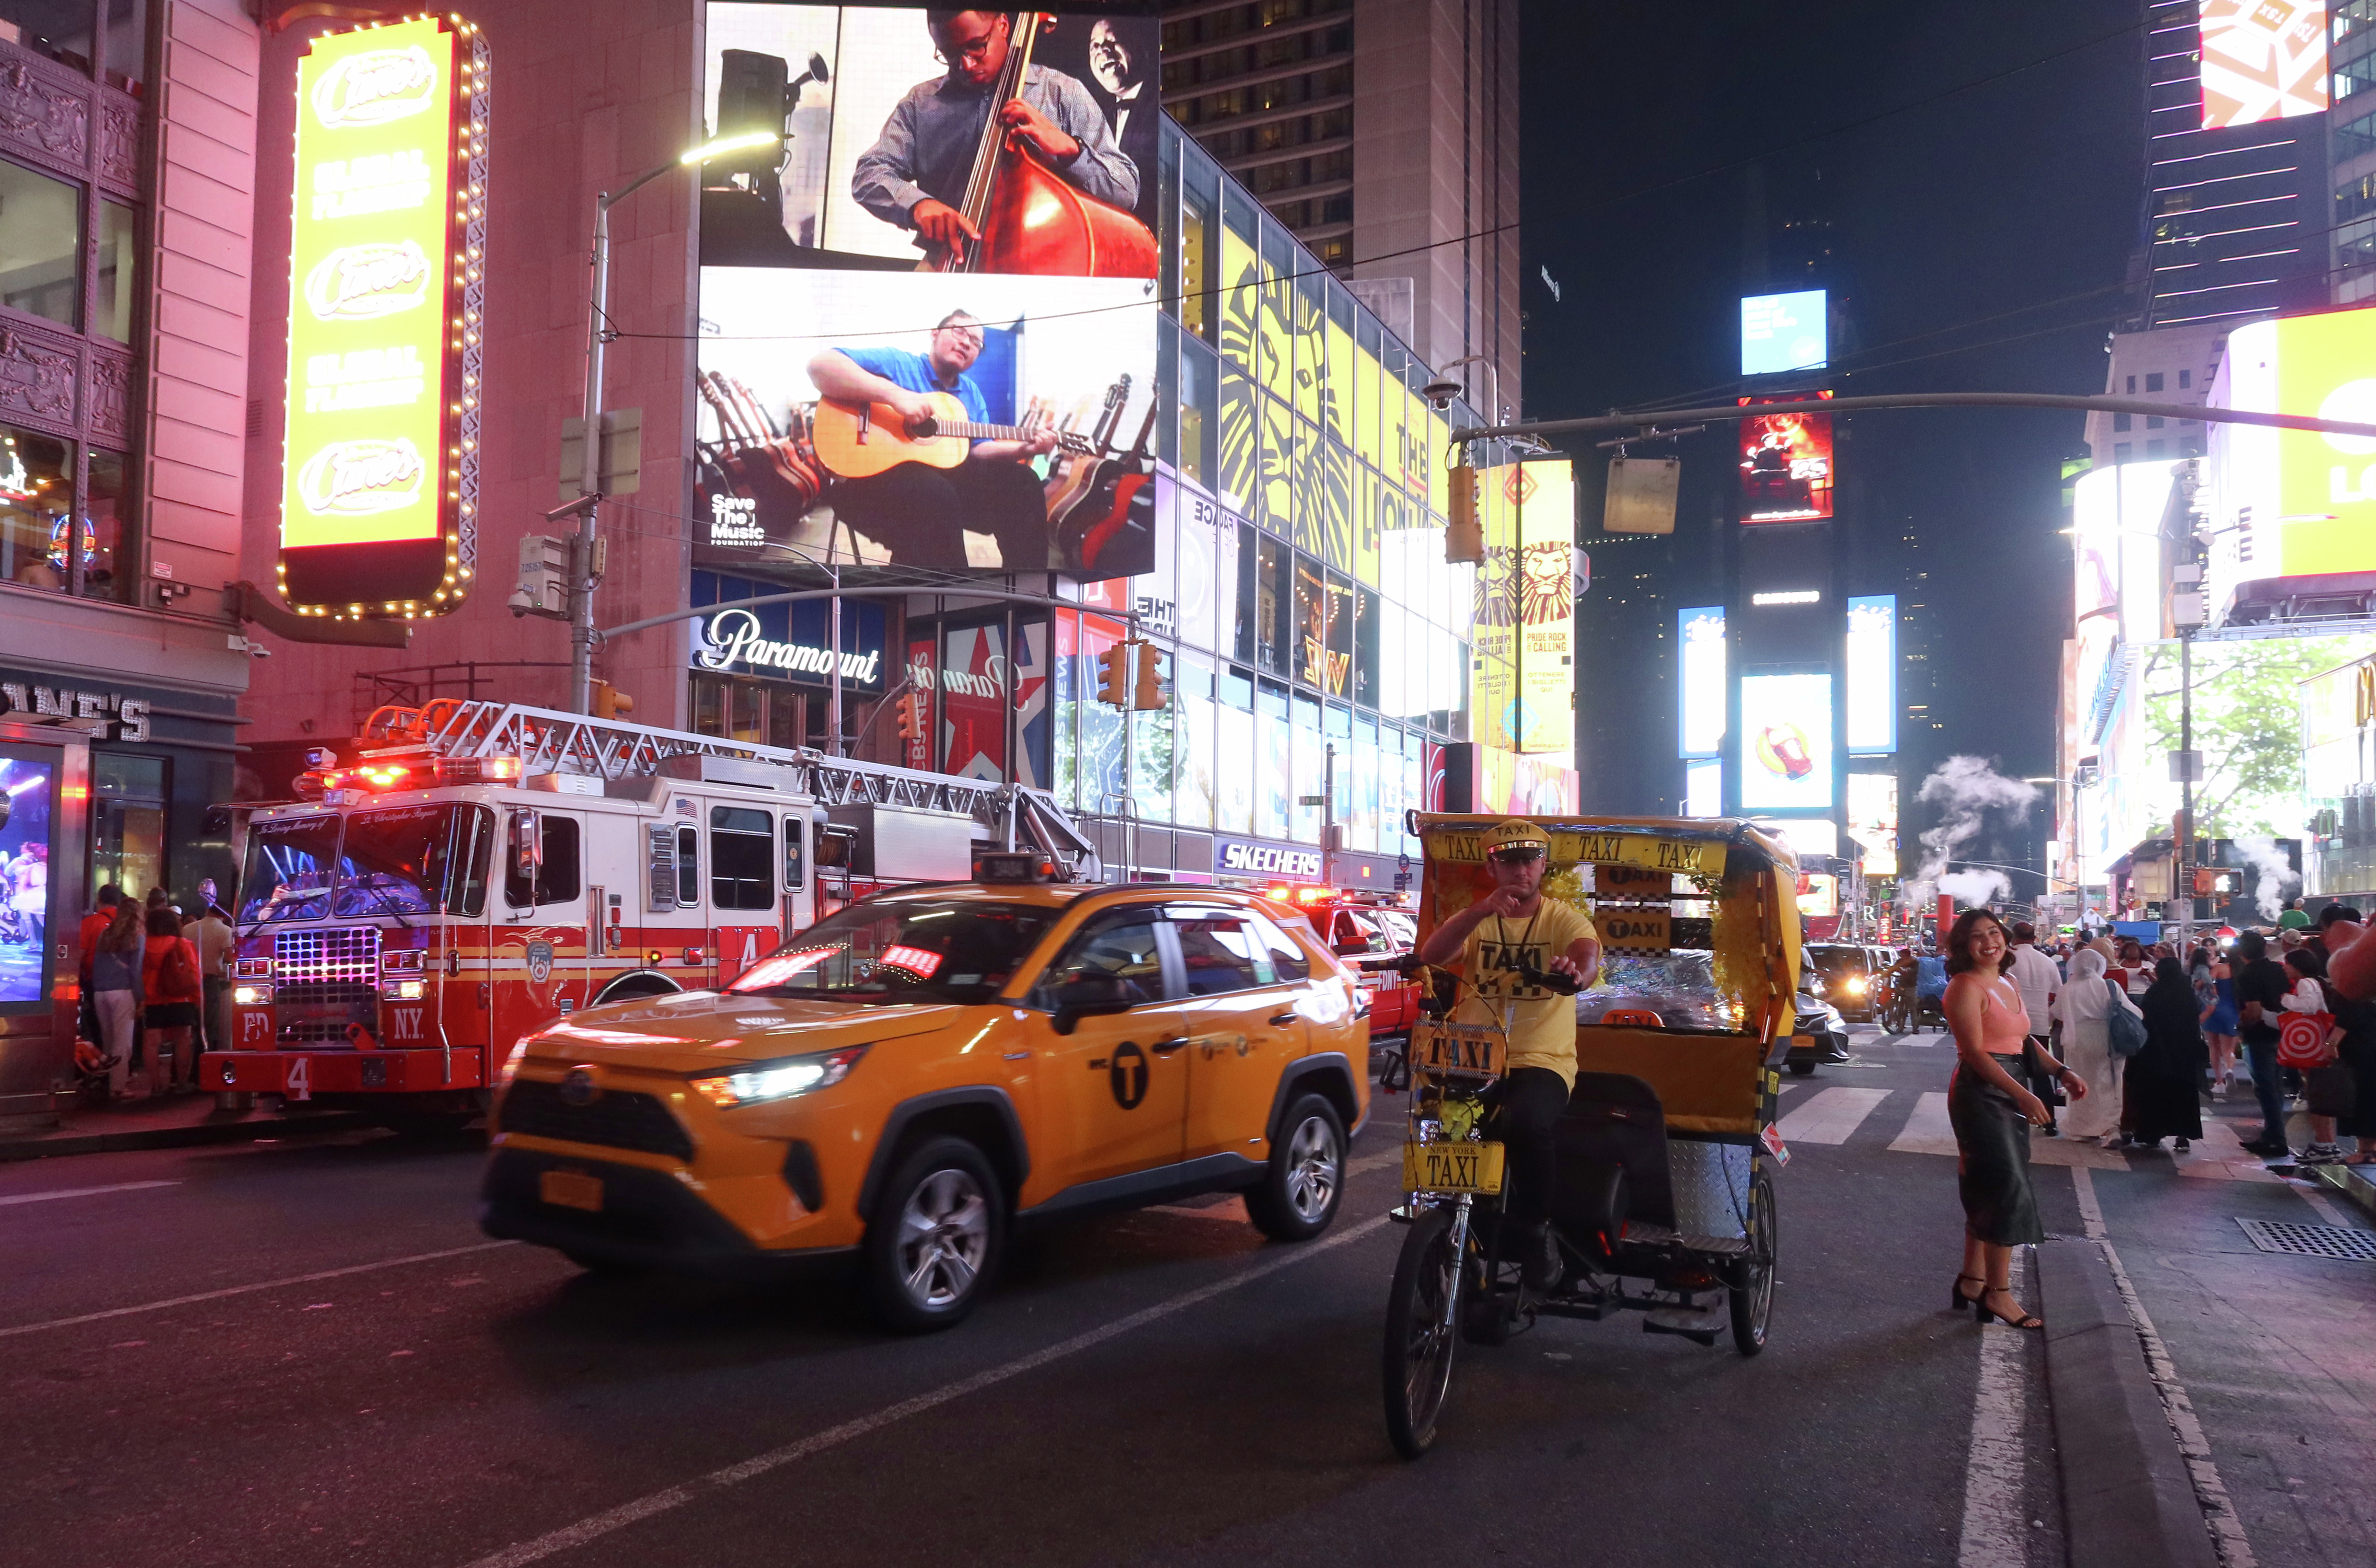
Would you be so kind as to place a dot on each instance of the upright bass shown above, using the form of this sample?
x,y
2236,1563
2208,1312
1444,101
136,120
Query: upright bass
x,y
1030,218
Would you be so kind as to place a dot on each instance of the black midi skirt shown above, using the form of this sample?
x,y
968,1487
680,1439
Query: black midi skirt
x,y
1993,1164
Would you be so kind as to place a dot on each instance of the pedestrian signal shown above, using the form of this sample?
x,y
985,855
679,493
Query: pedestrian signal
x,y
1113,676
1149,696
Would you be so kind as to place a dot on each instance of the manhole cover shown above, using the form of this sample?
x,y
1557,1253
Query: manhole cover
x,y
2311,1240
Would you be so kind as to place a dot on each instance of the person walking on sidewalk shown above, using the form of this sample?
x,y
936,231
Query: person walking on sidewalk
x,y
2218,1018
1992,1114
171,980
2261,988
2085,1000
115,992
2325,1080
210,930
2165,1078
2033,975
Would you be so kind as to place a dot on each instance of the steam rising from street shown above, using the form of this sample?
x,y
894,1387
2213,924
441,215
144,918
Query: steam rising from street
x,y
1964,791
2271,877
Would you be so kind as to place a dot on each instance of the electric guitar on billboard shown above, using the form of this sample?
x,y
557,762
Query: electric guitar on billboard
x,y
860,440
1064,487
1089,522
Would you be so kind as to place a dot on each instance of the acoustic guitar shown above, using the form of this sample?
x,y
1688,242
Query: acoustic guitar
x,y
860,440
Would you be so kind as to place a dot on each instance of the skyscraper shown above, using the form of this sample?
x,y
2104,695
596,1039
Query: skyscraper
x,y
1385,135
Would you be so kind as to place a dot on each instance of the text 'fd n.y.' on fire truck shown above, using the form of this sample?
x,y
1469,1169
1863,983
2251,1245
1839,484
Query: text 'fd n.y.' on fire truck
x,y
479,869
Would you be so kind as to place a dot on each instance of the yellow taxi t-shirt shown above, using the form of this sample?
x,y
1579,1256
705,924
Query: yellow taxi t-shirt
x,y
1542,1028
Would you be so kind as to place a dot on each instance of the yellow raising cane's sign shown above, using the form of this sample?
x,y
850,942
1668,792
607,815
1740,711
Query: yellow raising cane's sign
x,y
386,263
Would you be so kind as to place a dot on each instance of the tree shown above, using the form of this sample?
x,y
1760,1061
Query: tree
x,y
2247,725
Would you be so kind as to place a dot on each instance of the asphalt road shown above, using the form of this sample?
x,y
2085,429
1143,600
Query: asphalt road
x,y
304,1353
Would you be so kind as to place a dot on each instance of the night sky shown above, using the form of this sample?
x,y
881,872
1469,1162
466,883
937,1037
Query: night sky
x,y
1931,210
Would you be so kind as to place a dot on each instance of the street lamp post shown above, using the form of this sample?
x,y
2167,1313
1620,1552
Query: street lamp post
x,y
582,575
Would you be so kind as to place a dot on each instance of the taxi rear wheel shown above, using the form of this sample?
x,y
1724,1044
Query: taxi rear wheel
x,y
1305,1180
935,1237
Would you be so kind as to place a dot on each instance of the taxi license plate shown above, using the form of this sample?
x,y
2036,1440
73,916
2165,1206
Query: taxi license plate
x,y
1452,1168
570,1189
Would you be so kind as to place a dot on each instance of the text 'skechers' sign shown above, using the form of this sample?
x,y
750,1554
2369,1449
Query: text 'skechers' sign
x,y
1677,856
1243,857
379,484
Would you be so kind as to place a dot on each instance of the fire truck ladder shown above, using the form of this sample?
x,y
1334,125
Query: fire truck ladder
x,y
550,741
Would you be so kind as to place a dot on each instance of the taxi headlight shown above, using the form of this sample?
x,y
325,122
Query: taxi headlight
x,y
1855,985
765,1081
247,995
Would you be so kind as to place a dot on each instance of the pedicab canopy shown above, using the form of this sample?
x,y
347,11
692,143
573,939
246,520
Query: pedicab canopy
x,y
1699,926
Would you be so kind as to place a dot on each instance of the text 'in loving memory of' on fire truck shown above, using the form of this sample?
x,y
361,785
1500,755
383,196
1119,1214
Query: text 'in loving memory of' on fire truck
x,y
479,869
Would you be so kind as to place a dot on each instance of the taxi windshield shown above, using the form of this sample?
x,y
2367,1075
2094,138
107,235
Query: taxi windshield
x,y
908,950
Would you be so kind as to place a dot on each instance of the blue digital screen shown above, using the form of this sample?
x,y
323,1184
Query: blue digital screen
x,y
1783,332
1872,674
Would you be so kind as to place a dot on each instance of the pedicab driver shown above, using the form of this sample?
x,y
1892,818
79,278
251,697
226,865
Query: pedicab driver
x,y
1499,938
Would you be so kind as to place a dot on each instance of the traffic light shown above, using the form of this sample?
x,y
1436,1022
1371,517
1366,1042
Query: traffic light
x,y
610,701
1149,696
1113,676
912,716
1464,541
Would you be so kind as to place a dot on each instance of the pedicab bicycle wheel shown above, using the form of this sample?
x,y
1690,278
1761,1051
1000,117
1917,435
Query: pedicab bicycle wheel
x,y
1421,1332
1753,1294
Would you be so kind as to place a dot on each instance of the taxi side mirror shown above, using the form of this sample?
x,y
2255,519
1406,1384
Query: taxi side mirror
x,y
1068,1015
1089,996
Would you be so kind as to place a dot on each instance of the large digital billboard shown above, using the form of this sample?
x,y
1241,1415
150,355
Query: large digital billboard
x,y
2262,60
1784,756
1872,668
379,483
1872,820
1525,671
1700,660
1785,467
928,316
1780,333
2293,503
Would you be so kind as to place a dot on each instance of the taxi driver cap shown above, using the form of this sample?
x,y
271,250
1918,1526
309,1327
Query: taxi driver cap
x,y
1519,840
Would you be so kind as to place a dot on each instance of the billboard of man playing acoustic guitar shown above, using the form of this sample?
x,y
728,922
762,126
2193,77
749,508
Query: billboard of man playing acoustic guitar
x,y
911,419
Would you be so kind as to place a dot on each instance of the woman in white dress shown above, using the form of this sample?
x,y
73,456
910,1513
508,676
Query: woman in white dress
x,y
2081,1008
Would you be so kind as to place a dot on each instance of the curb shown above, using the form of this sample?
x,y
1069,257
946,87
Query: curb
x,y
246,1129
2352,1181
2128,1501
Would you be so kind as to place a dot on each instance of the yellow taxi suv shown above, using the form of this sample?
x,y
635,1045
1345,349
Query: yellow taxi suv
x,y
906,1081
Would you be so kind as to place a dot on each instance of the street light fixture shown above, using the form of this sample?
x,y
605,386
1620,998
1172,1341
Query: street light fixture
x,y
597,337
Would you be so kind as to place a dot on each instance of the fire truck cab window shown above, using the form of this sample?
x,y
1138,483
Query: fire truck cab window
x,y
741,858
796,870
288,872
556,872
688,866
473,849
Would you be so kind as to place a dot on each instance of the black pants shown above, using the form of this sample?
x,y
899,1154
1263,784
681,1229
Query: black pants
x,y
1532,1099
919,513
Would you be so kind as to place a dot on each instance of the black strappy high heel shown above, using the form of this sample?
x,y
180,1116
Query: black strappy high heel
x,y
1957,1299
1985,1313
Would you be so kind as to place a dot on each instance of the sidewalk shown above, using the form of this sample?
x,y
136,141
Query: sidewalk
x,y
2277,1351
165,1123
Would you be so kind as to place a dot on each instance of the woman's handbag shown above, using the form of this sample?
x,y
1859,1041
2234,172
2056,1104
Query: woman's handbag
x,y
2124,1032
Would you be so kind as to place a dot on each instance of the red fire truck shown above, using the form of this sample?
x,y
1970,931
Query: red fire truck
x,y
1369,930
475,870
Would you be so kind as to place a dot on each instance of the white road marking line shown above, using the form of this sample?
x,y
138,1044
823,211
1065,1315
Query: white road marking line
x,y
1996,1533
1831,1116
2210,1492
1927,1131
600,1524
251,1289
82,1192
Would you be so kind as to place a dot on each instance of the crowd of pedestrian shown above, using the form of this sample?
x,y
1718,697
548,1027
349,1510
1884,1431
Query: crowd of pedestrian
x,y
156,988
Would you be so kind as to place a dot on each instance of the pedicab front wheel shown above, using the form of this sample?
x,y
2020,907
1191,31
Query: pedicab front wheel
x,y
1421,1332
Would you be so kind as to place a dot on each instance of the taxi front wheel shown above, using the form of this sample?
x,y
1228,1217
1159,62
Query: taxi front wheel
x,y
935,1237
1305,1180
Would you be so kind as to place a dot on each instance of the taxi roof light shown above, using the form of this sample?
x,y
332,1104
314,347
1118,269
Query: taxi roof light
x,y
1007,866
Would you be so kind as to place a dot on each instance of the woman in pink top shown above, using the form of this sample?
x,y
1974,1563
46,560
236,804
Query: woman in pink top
x,y
1992,1113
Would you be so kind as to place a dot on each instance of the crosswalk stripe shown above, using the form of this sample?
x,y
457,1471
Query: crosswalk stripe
x,y
1927,1131
1831,1116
